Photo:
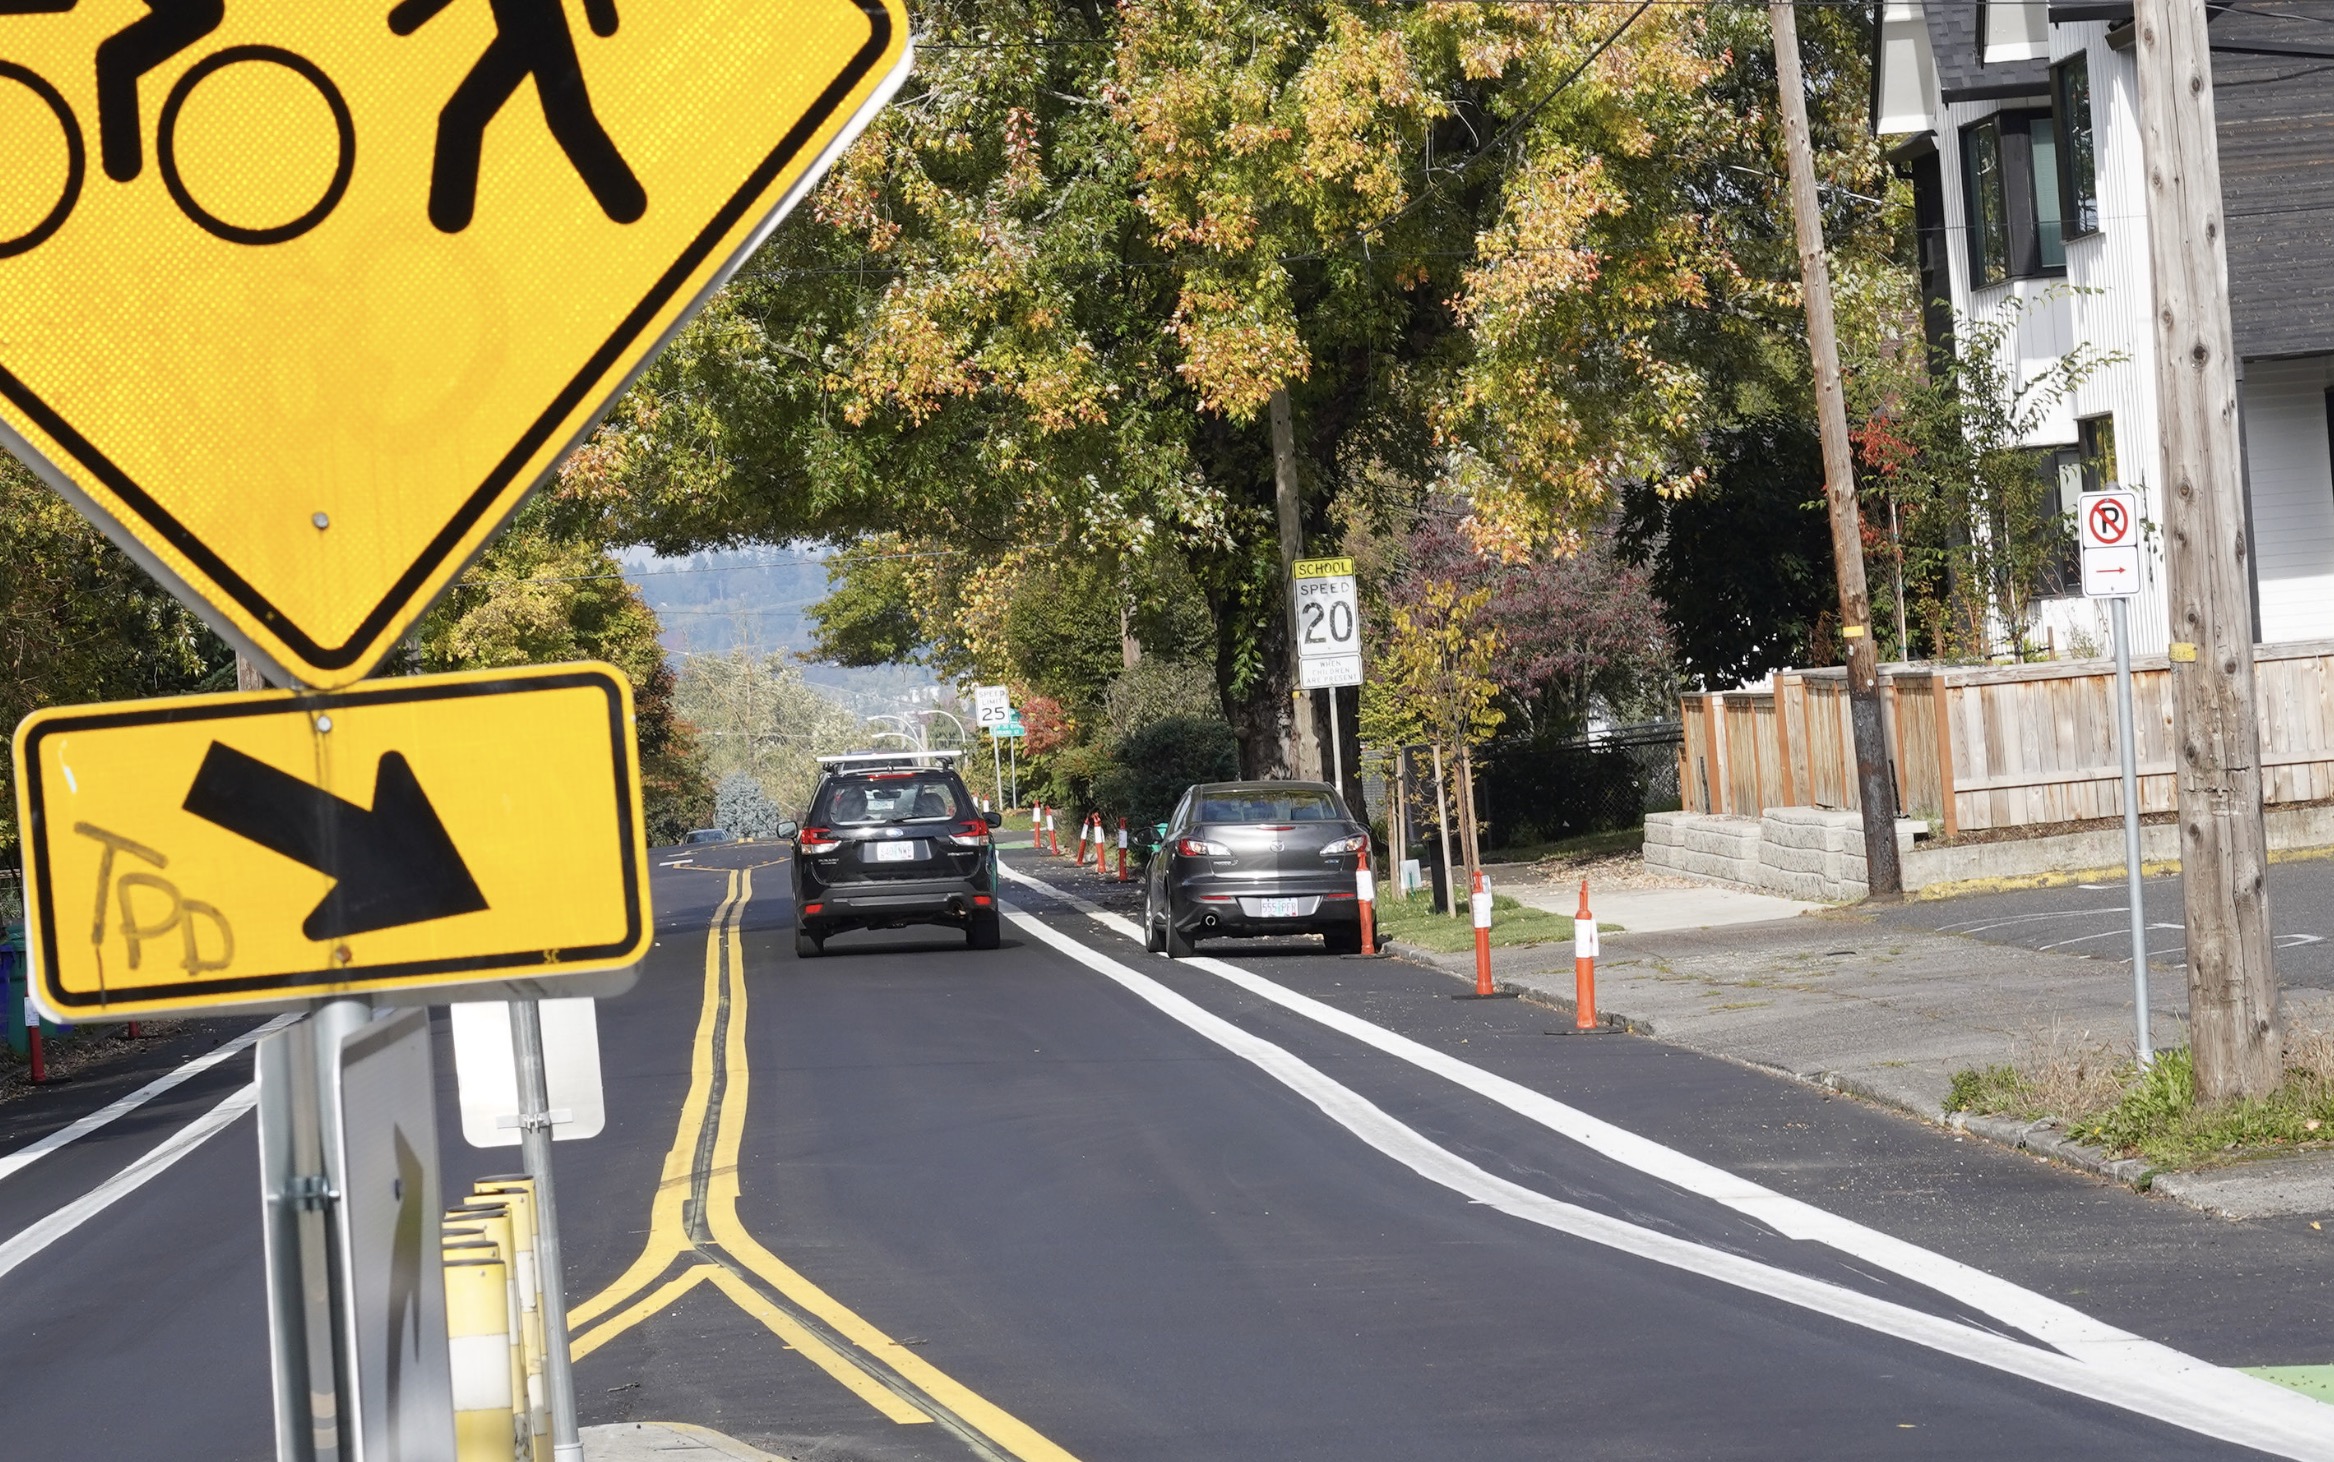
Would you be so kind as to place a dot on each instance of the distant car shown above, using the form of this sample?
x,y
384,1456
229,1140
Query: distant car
x,y
1244,859
710,835
893,840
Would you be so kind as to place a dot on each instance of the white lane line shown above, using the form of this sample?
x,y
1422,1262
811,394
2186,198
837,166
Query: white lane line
x,y
2046,1319
74,1214
2257,1414
33,1152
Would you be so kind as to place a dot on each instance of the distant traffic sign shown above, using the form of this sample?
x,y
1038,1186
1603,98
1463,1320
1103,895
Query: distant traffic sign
x,y
299,301
992,704
1010,729
2109,524
431,831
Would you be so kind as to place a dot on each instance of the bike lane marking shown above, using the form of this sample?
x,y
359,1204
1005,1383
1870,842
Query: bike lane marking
x,y
694,1219
2088,1341
33,1152
145,1169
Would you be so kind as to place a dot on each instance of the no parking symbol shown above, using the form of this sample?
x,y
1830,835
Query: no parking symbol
x,y
2109,523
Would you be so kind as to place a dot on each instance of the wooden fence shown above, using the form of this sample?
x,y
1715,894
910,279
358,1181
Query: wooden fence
x,y
1976,747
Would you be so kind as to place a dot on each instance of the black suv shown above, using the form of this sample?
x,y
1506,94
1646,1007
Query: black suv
x,y
893,839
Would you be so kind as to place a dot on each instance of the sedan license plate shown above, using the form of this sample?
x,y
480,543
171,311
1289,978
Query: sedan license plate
x,y
1282,908
898,852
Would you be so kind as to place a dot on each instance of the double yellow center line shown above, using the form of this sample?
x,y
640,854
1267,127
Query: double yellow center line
x,y
695,1237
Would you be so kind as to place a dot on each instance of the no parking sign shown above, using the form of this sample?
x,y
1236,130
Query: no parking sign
x,y
2110,526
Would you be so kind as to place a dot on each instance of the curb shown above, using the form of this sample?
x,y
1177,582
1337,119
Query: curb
x,y
2043,1139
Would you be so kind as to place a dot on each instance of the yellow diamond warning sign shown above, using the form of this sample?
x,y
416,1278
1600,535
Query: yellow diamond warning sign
x,y
299,300
235,849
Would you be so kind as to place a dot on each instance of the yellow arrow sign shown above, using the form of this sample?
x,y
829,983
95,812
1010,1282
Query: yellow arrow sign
x,y
299,301
221,850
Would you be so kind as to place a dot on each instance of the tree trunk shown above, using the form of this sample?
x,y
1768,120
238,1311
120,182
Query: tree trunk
x,y
1305,748
1876,789
1260,719
2235,1030
247,676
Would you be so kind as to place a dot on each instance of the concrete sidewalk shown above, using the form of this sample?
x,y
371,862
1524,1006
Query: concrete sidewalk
x,y
1658,910
1890,1013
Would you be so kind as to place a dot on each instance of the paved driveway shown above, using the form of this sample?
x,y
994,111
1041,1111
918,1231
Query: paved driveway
x,y
2090,919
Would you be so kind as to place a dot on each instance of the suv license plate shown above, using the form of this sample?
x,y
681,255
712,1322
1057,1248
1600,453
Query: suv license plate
x,y
898,852
1281,908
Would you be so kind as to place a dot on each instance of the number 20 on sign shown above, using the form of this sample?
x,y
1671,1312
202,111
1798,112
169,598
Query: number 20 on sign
x,y
299,300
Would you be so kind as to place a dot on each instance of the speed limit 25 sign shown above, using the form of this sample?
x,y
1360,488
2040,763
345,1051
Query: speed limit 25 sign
x,y
1328,623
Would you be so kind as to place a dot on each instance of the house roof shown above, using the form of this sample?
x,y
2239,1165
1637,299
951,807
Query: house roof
x,y
1957,41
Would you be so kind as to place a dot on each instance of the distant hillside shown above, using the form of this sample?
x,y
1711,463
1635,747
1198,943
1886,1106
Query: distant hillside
x,y
757,599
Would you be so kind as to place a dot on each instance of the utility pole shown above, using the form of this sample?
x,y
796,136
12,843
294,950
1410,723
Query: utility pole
x,y
1875,789
1304,741
2235,1032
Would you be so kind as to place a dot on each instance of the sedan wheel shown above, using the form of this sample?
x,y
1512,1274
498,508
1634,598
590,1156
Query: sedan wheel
x,y
1153,940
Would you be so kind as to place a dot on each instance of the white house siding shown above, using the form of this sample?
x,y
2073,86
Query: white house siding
x,y
2286,451
2104,301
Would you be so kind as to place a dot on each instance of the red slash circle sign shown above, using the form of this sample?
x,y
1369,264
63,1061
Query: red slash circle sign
x,y
2110,522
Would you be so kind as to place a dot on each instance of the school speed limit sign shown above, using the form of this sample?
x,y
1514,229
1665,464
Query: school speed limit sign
x,y
1328,623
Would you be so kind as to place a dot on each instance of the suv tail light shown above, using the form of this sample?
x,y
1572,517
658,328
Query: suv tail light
x,y
816,840
973,834
1201,848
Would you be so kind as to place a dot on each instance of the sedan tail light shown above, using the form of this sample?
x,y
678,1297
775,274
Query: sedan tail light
x,y
816,840
1201,848
1343,846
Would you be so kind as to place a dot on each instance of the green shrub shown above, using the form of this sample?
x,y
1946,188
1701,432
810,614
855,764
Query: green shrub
x,y
1988,1091
1150,769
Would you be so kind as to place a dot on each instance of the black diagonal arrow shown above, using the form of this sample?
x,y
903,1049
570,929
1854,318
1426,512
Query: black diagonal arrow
x,y
392,865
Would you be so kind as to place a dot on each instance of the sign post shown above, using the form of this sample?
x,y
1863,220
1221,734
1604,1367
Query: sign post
x,y
1328,635
992,708
2109,523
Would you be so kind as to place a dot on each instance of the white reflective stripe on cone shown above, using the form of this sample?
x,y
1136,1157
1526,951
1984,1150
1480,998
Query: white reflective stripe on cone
x,y
1584,939
1365,886
1482,903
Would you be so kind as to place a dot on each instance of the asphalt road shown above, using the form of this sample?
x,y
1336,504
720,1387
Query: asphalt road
x,y
2092,919
1066,1200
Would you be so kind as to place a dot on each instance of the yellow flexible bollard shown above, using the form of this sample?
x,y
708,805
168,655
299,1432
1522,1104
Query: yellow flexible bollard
x,y
478,1341
519,1191
493,1217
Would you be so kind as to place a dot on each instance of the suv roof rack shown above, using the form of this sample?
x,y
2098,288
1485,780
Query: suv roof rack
x,y
850,759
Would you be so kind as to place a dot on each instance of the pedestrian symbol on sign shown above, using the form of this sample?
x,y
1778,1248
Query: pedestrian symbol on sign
x,y
531,40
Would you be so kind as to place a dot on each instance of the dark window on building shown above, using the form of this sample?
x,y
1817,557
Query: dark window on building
x,y
2098,452
2058,554
1928,175
2010,176
1989,222
2078,169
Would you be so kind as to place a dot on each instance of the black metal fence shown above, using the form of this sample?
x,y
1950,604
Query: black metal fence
x,y
1531,791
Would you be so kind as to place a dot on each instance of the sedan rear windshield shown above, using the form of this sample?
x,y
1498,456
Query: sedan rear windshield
x,y
1293,806
876,801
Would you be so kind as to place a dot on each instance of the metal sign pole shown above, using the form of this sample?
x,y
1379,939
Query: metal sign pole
x,y
535,1143
2131,826
1013,764
997,760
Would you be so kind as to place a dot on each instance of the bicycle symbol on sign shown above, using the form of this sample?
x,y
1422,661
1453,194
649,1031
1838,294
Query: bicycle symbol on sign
x,y
532,41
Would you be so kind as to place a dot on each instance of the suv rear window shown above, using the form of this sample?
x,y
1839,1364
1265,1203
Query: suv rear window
x,y
1294,806
875,801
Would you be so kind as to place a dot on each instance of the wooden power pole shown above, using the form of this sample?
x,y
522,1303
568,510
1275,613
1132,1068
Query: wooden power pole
x,y
1875,788
2235,1033
1304,753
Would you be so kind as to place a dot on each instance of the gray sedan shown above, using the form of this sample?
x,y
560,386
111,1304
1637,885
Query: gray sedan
x,y
1244,859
